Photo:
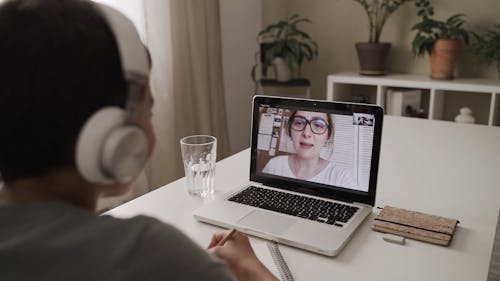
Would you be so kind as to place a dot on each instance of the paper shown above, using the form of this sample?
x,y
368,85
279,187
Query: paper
x,y
273,142
263,141
343,143
365,144
266,123
262,252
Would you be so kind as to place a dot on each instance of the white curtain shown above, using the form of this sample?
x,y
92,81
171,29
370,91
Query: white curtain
x,y
187,80
165,164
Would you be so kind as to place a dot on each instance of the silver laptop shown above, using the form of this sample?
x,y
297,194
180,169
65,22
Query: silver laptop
x,y
313,174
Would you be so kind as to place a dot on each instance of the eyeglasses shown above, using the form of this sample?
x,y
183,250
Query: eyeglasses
x,y
318,125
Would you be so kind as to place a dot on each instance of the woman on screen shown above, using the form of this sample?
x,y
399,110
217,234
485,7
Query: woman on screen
x,y
308,141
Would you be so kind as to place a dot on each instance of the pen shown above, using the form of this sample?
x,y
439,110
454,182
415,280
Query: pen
x,y
227,237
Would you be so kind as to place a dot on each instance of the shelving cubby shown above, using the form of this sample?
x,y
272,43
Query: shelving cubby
x,y
441,99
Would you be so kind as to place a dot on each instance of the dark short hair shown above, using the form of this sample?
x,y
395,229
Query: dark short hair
x,y
328,116
59,63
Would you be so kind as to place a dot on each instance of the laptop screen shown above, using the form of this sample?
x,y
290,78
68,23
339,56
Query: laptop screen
x,y
329,149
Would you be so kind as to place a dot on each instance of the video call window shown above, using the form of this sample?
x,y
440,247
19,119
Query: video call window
x,y
331,149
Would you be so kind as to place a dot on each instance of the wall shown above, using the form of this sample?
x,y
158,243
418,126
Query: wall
x,y
240,22
339,24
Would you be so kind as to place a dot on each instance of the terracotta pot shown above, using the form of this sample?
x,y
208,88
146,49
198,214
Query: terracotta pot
x,y
444,58
281,69
372,58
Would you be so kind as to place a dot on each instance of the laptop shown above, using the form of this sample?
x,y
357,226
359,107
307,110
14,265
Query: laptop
x,y
313,174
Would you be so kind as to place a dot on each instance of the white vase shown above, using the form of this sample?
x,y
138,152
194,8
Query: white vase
x,y
281,69
465,116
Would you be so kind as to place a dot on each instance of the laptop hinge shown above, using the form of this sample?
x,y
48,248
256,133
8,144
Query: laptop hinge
x,y
362,204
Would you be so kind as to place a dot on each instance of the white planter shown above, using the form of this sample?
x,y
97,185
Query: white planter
x,y
281,69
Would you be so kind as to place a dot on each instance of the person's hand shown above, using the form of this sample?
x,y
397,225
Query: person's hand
x,y
240,257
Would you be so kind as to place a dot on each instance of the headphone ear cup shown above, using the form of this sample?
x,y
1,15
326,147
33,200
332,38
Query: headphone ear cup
x,y
124,152
107,151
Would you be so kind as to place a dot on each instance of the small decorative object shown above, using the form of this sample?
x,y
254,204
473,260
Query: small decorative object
x,y
285,48
440,39
403,102
373,54
465,116
487,46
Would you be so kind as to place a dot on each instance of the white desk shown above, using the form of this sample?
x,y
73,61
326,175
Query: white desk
x,y
437,167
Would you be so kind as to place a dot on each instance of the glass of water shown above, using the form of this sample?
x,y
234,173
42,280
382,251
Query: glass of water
x,y
199,156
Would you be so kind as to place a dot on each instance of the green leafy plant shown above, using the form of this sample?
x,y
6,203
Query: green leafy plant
x,y
429,30
287,41
487,46
378,12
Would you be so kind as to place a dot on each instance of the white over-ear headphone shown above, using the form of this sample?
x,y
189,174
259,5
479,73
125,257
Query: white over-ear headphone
x,y
111,147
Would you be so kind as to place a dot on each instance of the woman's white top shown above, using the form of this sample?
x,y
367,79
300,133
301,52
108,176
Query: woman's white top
x,y
331,174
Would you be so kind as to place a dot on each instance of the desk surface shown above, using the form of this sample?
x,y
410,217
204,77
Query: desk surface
x,y
438,167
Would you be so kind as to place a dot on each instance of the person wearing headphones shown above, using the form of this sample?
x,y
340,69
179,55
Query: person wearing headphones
x,y
75,119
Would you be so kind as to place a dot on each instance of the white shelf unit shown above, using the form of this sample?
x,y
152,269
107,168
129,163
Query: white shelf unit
x,y
438,94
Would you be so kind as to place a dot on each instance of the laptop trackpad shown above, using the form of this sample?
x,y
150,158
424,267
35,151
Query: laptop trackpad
x,y
266,222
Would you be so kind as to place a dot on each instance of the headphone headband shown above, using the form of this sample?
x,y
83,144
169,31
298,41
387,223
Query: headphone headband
x,y
133,55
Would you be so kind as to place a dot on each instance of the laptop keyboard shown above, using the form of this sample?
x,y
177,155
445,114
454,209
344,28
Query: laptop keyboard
x,y
295,205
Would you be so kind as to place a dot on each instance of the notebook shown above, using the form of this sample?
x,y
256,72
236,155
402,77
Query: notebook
x,y
415,225
313,174
279,261
269,254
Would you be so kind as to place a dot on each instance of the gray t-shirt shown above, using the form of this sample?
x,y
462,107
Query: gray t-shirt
x,y
57,241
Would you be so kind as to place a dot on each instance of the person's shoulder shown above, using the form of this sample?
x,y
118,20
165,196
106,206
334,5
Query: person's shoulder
x,y
142,226
162,251
276,164
139,248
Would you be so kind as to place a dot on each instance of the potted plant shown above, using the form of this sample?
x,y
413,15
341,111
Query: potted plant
x,y
373,54
487,46
440,39
286,47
